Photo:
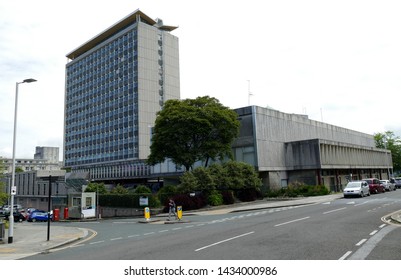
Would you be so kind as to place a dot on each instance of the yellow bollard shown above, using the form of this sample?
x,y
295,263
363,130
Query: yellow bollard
x,y
147,213
179,212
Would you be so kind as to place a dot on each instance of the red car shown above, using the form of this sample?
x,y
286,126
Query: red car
x,y
375,186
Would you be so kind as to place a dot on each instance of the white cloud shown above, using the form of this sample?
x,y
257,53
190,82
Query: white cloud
x,y
335,60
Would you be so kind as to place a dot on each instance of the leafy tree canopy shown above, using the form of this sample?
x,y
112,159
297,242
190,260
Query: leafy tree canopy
x,y
3,194
96,187
191,130
119,189
388,140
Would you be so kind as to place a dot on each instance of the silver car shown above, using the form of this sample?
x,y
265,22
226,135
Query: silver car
x,y
388,186
356,188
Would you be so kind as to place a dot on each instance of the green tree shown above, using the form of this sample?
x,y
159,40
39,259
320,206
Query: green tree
x,y
96,187
142,190
204,178
388,140
119,189
191,130
3,193
240,175
18,169
189,183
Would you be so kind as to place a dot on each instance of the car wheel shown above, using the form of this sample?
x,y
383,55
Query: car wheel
x,y
33,220
362,194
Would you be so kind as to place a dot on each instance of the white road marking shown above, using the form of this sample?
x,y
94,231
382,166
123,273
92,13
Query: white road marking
x,y
77,245
293,221
345,255
373,232
96,242
225,240
368,247
361,203
335,210
361,242
117,238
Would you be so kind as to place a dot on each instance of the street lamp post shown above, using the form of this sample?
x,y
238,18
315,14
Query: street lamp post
x,y
13,187
387,157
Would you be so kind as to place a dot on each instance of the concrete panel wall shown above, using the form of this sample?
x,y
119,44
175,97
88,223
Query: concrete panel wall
x,y
158,70
274,128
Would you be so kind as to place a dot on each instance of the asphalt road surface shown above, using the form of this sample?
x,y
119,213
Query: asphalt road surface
x,y
352,228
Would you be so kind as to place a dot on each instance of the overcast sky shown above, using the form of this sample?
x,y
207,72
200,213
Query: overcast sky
x,y
337,61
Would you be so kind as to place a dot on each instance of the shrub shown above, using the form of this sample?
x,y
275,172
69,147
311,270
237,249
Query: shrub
x,y
295,190
248,194
276,193
166,192
126,200
228,197
187,202
142,190
215,198
318,190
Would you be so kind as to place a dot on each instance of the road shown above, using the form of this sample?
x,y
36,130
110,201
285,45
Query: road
x,y
342,229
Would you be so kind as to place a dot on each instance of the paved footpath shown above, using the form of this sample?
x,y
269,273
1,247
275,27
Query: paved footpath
x,y
31,238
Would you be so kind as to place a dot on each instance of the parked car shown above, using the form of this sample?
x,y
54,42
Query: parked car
x,y
397,182
356,188
374,185
39,215
4,209
388,186
18,216
29,212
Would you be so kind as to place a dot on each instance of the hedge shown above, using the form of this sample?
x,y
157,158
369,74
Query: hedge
x,y
127,200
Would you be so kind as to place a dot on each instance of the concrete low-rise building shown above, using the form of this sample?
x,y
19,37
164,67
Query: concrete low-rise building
x,y
45,158
33,188
286,148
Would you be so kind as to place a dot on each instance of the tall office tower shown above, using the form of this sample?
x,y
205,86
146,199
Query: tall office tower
x,y
51,154
115,84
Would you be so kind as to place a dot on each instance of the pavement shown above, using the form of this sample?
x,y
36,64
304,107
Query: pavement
x,y
31,238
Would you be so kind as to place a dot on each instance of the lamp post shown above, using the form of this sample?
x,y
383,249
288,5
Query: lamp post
x,y
387,157
13,187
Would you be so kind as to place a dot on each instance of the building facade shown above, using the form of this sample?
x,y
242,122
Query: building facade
x,y
45,158
115,84
51,154
287,148
36,188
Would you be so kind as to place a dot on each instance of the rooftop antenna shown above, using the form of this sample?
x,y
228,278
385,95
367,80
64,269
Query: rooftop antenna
x,y
321,114
249,92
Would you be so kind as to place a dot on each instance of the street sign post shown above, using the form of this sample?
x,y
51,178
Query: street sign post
x,y
52,176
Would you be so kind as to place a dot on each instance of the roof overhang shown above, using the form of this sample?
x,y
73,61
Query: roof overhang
x,y
125,22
